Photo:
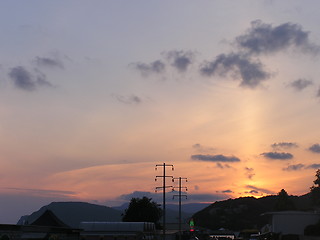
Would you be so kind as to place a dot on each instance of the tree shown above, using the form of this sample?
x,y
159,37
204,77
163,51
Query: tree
x,y
283,202
142,210
315,189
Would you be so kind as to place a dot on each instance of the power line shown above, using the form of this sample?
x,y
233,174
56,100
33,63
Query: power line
x,y
164,187
180,196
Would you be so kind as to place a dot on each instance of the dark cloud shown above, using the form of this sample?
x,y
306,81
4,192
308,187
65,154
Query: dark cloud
x,y
44,192
215,158
227,191
180,59
259,190
49,62
25,80
313,166
146,69
278,155
300,84
249,172
263,38
22,78
284,145
239,66
131,99
295,167
315,148
318,93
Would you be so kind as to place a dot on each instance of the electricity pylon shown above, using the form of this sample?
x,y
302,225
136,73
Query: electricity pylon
x,y
180,196
164,187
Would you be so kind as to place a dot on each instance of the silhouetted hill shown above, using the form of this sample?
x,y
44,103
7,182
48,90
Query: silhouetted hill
x,y
72,213
243,213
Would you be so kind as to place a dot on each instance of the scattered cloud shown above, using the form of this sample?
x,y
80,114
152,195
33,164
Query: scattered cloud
x,y
300,84
48,62
131,99
284,145
318,92
227,191
249,172
222,166
313,166
259,190
200,148
294,167
180,60
239,66
215,158
277,155
24,80
156,67
315,148
263,38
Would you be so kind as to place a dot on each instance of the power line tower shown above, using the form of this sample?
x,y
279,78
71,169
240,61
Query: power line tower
x,y
180,196
164,187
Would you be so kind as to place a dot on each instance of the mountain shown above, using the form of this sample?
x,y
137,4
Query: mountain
x,y
72,213
172,210
244,212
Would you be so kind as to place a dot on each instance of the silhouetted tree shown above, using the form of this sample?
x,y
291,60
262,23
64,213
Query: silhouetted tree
x,y
142,210
283,202
315,189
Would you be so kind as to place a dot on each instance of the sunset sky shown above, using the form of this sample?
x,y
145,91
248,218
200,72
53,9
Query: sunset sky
x,y
95,93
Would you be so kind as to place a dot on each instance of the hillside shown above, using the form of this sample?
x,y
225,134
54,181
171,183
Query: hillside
x,y
72,213
243,213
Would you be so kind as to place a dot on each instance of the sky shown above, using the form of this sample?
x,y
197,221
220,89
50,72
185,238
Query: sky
x,y
94,94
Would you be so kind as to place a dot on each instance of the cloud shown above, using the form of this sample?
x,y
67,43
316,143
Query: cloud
x,y
259,190
219,165
249,172
300,84
295,167
24,80
240,66
263,38
318,92
315,148
48,62
131,99
278,155
156,67
313,166
284,145
200,148
180,60
227,191
43,192
215,158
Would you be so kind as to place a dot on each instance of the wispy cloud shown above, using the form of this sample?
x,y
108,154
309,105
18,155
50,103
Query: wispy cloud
x,y
215,158
130,99
25,80
238,66
277,155
200,148
145,69
180,60
44,192
294,167
48,62
263,38
249,172
284,145
257,190
300,84
315,148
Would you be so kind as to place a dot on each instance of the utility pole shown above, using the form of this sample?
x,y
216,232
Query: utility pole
x,y
180,196
164,186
